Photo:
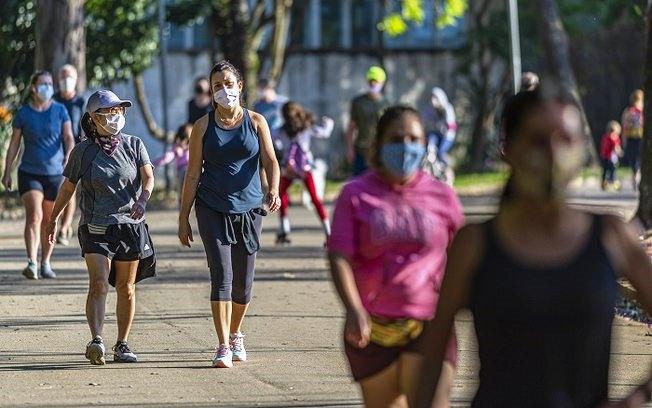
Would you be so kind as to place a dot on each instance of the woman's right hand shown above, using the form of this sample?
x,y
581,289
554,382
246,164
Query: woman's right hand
x,y
7,182
50,230
185,232
357,329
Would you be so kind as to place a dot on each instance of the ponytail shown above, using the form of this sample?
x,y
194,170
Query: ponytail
x,y
88,126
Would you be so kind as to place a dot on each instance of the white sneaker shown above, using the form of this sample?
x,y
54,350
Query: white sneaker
x,y
95,351
123,354
223,357
236,342
30,272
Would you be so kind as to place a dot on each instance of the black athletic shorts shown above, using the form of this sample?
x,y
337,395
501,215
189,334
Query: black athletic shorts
x,y
120,242
49,185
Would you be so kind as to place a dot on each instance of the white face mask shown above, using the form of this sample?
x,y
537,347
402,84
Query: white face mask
x,y
67,84
377,88
112,124
227,98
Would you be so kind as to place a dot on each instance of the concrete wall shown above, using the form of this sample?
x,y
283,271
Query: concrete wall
x,y
324,83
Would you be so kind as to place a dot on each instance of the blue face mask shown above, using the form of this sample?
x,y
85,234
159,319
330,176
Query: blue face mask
x,y
45,92
402,159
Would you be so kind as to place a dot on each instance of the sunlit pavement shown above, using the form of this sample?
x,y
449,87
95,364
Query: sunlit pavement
x,y
293,328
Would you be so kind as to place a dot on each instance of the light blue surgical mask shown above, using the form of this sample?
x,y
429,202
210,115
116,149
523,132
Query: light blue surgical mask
x,y
45,92
402,159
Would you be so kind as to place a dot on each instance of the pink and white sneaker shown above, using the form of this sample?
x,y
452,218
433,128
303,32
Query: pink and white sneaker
x,y
236,342
223,357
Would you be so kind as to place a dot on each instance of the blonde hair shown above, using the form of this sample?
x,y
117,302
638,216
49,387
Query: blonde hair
x,y
636,96
614,127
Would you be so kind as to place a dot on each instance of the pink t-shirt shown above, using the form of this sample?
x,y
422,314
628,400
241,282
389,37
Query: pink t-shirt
x,y
396,239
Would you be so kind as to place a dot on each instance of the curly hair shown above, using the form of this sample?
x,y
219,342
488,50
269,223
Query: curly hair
x,y
297,118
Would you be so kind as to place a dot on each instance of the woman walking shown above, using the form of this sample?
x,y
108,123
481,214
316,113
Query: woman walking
x,y
223,181
43,126
293,141
116,180
540,277
391,229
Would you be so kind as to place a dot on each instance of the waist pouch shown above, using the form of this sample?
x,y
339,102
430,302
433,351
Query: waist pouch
x,y
395,333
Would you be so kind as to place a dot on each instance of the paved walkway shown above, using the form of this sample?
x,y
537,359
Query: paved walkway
x,y
293,331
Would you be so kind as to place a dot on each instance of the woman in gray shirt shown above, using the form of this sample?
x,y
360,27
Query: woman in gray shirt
x,y
116,180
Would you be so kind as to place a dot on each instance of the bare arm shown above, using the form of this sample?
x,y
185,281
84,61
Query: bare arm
x,y
463,257
63,197
357,330
191,180
147,180
68,141
630,260
268,158
12,152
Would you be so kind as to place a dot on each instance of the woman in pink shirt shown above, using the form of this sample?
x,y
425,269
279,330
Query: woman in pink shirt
x,y
391,229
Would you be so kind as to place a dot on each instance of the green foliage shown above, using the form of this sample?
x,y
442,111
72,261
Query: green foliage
x,y
17,44
412,12
121,38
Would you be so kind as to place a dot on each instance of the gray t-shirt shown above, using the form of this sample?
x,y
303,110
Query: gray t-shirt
x,y
111,184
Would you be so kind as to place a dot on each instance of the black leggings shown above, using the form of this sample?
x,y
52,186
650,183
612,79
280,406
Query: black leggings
x,y
231,267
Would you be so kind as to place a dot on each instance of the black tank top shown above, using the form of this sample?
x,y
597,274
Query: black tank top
x,y
544,334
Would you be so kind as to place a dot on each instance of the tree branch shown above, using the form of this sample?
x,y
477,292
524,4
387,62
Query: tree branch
x,y
157,132
257,15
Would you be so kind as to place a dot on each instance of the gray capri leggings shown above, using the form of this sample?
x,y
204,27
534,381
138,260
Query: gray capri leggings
x,y
231,267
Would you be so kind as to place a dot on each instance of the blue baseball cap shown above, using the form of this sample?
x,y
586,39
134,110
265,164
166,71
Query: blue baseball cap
x,y
105,99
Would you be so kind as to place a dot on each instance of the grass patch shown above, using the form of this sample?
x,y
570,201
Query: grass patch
x,y
481,180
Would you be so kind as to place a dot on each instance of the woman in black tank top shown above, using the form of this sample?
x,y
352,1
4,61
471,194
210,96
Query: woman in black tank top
x,y
540,277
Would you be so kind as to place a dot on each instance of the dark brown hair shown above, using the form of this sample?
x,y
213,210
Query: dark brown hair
x,y
88,126
296,118
390,115
33,79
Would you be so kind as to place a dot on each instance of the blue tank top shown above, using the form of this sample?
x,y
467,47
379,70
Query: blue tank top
x,y
544,334
230,180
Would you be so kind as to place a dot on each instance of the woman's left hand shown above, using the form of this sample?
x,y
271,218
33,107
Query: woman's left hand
x,y
137,210
638,398
273,201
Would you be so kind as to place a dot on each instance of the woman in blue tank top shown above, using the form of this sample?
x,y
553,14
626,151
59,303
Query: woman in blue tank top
x,y
540,277
223,180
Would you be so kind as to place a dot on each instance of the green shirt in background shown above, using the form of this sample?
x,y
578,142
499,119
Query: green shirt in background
x,y
365,112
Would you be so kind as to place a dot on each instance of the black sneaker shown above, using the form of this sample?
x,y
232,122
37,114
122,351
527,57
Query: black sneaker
x,y
95,351
283,239
123,354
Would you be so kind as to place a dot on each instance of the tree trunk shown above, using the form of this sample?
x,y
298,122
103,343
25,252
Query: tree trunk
x,y
644,212
60,37
280,37
555,42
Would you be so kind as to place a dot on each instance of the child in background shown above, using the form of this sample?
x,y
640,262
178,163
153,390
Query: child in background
x,y
179,153
610,153
293,141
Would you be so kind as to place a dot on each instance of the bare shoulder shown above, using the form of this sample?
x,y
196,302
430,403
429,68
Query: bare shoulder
x,y
257,119
201,124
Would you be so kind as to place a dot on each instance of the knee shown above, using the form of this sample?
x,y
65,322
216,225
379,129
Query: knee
x,y
126,290
241,294
98,289
34,218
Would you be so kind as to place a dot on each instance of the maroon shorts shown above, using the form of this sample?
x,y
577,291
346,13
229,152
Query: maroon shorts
x,y
374,358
